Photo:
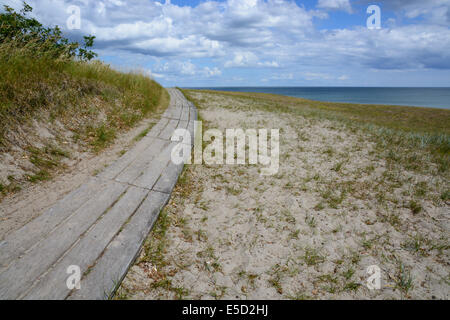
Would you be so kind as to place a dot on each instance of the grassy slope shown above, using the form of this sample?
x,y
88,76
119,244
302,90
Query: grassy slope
x,y
90,100
30,84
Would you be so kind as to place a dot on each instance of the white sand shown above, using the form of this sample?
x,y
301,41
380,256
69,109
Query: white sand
x,y
309,232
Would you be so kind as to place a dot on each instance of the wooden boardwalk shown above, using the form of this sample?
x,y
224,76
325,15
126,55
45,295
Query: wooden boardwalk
x,y
99,227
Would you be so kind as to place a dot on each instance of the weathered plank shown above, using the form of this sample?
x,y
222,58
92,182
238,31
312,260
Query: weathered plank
x,y
185,114
16,243
117,167
154,169
112,266
168,178
137,167
167,133
156,129
21,273
89,248
192,114
183,124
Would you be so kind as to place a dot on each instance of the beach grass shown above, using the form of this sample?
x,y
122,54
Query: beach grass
x,y
400,132
69,89
410,119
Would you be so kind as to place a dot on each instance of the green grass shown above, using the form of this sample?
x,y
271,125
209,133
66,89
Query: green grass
x,y
404,280
46,160
143,133
445,195
103,136
311,257
402,134
90,99
412,119
415,207
71,90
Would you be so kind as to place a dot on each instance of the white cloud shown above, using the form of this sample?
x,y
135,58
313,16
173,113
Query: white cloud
x,y
208,72
248,59
259,34
343,5
316,76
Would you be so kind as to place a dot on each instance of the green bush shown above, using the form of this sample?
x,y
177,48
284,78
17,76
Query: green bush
x,y
21,30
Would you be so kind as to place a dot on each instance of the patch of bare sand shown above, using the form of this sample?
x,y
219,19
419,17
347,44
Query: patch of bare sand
x,y
310,232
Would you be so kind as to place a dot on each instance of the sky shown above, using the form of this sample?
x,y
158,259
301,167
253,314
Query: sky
x,y
202,43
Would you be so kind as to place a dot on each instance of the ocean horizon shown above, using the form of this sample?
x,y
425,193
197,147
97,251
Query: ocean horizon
x,y
428,97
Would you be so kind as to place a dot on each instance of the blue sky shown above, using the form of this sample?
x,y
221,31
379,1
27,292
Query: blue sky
x,y
266,42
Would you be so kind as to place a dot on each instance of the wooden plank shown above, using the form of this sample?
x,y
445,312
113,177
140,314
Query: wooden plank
x,y
22,273
168,130
112,266
174,109
155,168
89,248
185,114
16,243
135,169
168,178
117,167
157,128
183,124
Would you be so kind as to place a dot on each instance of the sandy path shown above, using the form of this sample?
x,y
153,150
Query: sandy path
x,y
310,232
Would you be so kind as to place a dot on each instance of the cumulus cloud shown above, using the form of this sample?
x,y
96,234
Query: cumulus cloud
x,y
335,5
200,41
249,59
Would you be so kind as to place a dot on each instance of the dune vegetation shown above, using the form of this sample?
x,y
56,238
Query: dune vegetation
x,y
52,90
358,186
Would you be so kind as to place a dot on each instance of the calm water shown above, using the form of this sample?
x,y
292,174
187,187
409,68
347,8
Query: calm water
x,y
420,97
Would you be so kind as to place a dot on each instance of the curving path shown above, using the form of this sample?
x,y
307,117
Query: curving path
x,y
99,227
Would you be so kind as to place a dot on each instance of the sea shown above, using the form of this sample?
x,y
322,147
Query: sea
x,y
418,97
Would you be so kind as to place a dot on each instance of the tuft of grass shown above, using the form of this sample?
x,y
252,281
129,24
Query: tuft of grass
x,y
142,134
311,221
42,175
404,280
154,250
445,195
415,207
103,136
312,257
348,274
338,166
352,286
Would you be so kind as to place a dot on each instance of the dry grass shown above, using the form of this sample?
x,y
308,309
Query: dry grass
x,y
72,91
71,106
